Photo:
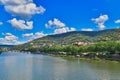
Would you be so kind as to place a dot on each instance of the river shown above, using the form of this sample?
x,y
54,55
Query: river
x,y
41,67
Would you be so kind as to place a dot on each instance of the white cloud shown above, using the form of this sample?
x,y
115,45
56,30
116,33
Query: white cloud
x,y
100,21
63,30
21,24
9,39
1,23
58,26
72,29
86,29
15,2
117,21
27,35
55,24
32,36
39,35
8,34
60,30
22,8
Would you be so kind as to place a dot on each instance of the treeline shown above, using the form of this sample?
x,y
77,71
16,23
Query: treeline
x,y
100,47
4,49
1,50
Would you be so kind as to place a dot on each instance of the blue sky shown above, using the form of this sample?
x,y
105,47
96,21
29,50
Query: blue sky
x,y
25,20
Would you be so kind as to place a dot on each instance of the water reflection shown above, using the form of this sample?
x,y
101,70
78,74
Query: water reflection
x,y
39,67
17,67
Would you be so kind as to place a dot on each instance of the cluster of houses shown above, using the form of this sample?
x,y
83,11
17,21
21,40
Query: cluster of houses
x,y
82,43
75,43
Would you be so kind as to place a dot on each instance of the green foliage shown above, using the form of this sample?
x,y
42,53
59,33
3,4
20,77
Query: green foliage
x,y
101,47
107,42
67,39
3,49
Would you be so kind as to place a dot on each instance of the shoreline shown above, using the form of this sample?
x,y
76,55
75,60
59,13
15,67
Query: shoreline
x,y
72,57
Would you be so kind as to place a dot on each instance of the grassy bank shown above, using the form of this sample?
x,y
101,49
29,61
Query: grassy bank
x,y
85,59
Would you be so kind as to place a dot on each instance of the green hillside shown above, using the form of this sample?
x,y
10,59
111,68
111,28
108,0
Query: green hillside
x,y
72,37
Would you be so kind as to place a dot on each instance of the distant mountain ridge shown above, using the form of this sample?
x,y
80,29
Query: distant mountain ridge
x,y
75,36
6,46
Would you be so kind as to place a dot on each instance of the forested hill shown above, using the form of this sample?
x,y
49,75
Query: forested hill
x,y
76,36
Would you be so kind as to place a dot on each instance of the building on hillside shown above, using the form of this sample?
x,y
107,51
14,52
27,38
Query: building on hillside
x,y
79,43
82,43
47,45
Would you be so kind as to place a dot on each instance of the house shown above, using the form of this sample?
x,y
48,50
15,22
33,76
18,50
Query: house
x,y
82,43
79,43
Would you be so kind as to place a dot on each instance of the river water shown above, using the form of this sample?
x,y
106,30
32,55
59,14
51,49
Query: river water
x,y
40,67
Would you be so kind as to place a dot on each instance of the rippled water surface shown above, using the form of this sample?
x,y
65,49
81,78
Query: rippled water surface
x,y
19,66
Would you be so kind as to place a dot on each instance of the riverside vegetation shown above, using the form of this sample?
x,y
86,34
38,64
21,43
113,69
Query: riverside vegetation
x,y
107,44
105,50
100,50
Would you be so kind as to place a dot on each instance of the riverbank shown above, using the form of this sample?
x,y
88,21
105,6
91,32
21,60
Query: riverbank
x,y
96,59
78,57
101,50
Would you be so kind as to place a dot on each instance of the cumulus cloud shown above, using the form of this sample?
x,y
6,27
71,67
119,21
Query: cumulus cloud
x,y
60,30
9,39
1,23
117,21
21,24
86,29
55,24
39,35
101,21
15,2
28,35
63,30
32,36
22,8
72,29
58,26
